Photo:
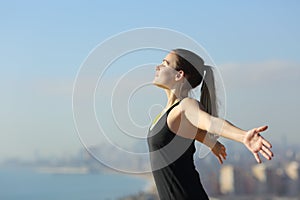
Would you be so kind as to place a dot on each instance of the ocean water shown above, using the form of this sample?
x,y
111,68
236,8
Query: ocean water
x,y
24,184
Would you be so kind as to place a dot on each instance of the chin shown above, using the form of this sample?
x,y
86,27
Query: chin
x,y
159,85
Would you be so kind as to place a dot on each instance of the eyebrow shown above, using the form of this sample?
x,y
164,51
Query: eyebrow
x,y
166,61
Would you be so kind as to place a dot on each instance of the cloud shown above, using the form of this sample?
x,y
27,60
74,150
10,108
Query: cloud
x,y
271,73
235,75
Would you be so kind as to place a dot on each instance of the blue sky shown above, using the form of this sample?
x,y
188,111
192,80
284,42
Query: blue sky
x,y
44,43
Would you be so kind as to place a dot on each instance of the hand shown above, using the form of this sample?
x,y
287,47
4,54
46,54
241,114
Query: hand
x,y
256,143
219,151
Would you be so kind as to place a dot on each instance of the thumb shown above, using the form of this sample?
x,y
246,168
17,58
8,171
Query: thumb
x,y
261,129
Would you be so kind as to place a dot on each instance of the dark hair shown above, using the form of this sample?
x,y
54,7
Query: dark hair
x,y
191,70
194,69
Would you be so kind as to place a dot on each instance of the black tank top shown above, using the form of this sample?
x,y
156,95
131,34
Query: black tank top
x,y
172,163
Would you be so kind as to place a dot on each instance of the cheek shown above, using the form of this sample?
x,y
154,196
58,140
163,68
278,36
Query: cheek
x,y
167,75
169,71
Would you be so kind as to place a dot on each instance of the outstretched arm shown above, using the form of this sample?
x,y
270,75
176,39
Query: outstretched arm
x,y
251,139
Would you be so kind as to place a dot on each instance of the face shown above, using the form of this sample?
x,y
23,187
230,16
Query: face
x,y
165,75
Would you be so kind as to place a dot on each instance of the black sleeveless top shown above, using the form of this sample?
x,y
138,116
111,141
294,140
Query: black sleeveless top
x,y
172,163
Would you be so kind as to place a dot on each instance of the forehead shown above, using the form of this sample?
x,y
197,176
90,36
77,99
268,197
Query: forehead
x,y
171,58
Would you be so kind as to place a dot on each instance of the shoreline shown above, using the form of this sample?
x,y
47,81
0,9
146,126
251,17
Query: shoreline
x,y
147,177
150,184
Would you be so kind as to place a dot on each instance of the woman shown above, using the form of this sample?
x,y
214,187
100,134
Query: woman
x,y
184,120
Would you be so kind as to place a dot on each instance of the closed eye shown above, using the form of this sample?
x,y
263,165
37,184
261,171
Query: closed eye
x,y
165,62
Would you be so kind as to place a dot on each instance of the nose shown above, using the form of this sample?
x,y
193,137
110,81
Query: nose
x,y
157,67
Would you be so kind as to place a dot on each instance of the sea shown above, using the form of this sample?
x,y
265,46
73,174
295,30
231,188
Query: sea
x,y
28,184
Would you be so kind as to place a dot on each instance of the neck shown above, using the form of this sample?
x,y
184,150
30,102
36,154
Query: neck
x,y
174,96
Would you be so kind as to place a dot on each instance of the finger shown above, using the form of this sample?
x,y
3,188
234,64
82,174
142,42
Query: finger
x,y
268,151
262,152
262,128
224,151
223,156
266,143
220,160
257,158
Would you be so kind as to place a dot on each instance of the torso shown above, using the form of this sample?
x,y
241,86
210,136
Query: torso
x,y
171,155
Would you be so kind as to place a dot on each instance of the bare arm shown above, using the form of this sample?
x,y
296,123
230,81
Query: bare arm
x,y
223,128
251,139
205,121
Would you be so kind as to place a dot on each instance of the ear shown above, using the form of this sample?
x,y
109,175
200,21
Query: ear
x,y
179,75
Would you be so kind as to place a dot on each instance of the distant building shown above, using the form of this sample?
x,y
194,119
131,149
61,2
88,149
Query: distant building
x,y
269,180
227,179
292,171
259,172
232,180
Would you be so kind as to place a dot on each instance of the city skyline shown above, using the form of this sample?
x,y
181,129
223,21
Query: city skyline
x,y
238,177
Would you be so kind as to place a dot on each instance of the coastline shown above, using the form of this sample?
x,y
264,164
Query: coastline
x,y
64,183
150,184
62,170
148,193
149,188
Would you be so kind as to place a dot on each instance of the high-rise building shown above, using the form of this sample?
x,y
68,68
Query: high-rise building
x,y
269,180
292,171
231,180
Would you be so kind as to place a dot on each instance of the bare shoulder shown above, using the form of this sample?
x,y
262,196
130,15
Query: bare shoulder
x,y
190,104
194,114
189,100
178,122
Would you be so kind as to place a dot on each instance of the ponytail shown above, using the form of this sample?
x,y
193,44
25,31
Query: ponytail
x,y
208,92
196,72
